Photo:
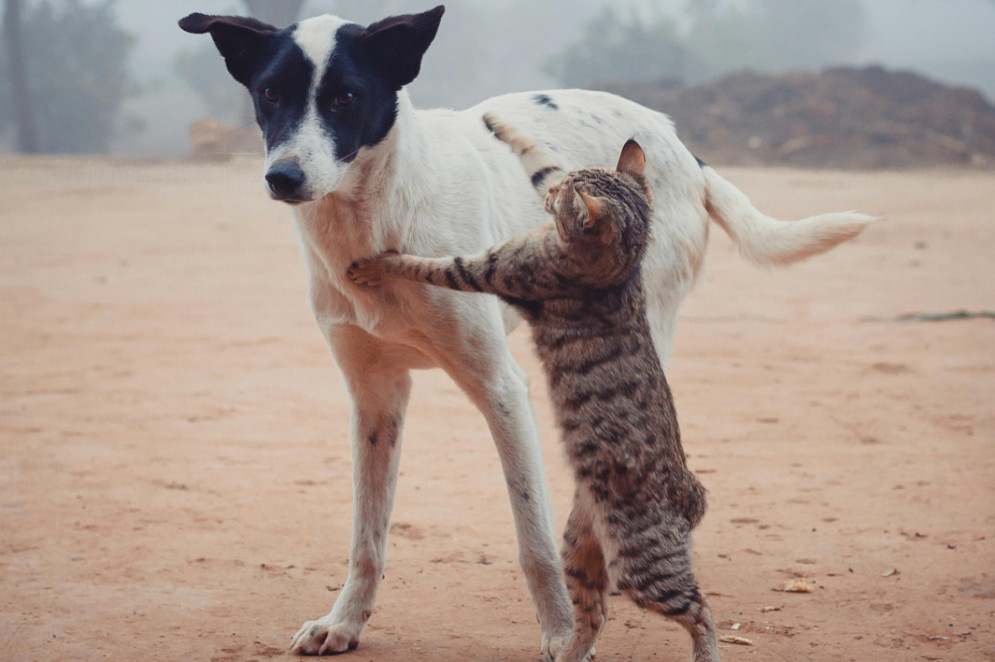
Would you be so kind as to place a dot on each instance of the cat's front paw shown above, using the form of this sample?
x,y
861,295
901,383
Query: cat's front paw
x,y
368,271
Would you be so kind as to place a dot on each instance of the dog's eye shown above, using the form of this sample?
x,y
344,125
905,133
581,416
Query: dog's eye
x,y
271,95
344,99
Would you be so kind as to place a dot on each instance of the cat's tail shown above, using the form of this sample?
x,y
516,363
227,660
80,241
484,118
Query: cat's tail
x,y
540,166
768,241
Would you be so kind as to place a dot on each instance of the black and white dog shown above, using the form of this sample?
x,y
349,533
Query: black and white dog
x,y
367,172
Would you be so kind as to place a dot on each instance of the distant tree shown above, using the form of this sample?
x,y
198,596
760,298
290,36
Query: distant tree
x,y
17,75
75,67
778,35
712,39
611,48
204,71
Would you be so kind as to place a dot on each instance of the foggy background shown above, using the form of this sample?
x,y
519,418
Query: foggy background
x,y
148,80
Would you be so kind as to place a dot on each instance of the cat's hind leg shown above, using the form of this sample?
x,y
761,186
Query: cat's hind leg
x,y
587,583
656,575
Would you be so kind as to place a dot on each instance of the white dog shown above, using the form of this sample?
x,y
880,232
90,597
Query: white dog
x,y
367,173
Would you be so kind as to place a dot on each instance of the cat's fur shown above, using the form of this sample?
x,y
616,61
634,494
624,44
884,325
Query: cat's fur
x,y
577,282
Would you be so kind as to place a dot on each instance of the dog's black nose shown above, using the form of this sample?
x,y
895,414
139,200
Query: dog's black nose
x,y
285,180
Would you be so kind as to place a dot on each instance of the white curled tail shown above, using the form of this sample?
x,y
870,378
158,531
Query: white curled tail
x,y
768,241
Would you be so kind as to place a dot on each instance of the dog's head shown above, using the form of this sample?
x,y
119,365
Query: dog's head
x,y
323,88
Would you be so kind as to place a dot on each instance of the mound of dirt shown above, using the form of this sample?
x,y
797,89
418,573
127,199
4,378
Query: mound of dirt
x,y
213,140
839,118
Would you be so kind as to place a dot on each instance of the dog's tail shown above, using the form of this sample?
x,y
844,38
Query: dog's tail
x,y
541,167
768,241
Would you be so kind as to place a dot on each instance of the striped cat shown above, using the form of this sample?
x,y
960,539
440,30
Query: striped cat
x,y
577,283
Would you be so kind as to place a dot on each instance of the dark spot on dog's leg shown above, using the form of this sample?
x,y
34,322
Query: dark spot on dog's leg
x,y
525,495
701,164
373,438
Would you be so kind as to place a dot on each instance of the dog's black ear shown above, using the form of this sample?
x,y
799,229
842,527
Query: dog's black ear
x,y
241,41
396,44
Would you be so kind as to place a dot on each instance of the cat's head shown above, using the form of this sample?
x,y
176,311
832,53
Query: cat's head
x,y
601,207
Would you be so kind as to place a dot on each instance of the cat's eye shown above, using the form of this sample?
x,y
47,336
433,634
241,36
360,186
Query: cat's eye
x,y
344,99
271,95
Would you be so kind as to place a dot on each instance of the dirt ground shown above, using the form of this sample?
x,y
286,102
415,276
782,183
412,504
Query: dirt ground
x,y
176,476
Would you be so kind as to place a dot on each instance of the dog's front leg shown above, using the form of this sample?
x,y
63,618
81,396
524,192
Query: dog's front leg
x,y
483,367
379,390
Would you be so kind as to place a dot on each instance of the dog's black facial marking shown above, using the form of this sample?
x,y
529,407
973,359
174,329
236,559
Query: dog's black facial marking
x,y
279,90
545,100
322,89
369,115
267,62
367,68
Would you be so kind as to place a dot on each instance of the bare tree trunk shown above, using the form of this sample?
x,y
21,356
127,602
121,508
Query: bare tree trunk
x,y
24,117
280,13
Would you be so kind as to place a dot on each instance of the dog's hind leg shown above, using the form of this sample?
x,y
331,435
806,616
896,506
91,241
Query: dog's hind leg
x,y
479,361
379,390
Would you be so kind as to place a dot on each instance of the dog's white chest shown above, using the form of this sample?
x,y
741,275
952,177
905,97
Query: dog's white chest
x,y
333,234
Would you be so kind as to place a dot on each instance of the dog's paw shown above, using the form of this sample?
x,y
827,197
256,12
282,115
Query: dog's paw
x,y
553,648
323,637
367,272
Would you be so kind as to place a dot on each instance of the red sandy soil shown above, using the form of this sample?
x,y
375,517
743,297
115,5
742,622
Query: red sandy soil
x,y
176,478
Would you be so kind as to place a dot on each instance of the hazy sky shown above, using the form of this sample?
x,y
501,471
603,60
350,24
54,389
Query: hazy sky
x,y
947,39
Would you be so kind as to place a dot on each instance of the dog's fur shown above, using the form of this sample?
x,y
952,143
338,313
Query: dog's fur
x,y
367,173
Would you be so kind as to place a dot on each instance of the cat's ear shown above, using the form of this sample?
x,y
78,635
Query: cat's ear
x,y
591,209
632,161
597,217
584,216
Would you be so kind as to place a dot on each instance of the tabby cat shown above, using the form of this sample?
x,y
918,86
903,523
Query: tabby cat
x,y
577,282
